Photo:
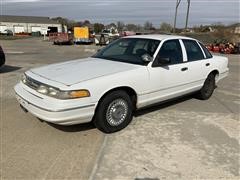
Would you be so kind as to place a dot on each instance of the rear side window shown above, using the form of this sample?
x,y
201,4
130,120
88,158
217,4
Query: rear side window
x,y
193,50
206,51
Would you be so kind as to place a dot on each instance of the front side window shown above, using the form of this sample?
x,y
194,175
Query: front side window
x,y
171,50
129,50
193,50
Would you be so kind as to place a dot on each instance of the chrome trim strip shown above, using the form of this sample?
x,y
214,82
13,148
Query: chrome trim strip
x,y
59,110
169,88
34,94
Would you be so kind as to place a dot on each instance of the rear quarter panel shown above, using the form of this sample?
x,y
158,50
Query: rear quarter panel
x,y
220,63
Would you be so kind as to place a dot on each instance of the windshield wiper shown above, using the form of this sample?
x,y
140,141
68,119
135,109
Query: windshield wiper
x,y
119,60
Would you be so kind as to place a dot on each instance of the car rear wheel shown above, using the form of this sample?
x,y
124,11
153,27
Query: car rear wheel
x,y
208,87
114,112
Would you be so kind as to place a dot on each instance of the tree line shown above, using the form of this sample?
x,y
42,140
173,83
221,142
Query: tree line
x,y
147,26
121,26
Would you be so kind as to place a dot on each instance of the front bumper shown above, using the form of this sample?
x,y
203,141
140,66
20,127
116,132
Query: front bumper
x,y
54,110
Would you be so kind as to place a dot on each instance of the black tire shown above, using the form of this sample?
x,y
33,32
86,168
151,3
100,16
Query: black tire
x,y
208,88
116,103
2,59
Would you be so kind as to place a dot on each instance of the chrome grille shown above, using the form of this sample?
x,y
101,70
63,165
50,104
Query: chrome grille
x,y
32,83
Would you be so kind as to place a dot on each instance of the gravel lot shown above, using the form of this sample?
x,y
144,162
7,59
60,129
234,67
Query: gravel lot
x,y
186,138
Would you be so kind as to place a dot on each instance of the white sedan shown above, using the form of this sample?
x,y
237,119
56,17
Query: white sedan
x,y
129,74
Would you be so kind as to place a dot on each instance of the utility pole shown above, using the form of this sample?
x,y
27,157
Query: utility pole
x,y
176,11
188,8
175,19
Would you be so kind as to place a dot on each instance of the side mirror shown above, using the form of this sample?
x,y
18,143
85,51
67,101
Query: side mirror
x,y
164,60
147,58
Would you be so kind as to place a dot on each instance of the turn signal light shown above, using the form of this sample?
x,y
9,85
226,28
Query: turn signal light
x,y
79,94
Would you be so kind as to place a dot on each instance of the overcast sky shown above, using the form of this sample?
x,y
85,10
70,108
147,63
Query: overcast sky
x,y
129,11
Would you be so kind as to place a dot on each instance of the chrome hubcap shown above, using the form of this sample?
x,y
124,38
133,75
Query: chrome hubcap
x,y
117,112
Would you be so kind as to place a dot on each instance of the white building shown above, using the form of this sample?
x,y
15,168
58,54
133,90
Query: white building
x,y
237,30
29,24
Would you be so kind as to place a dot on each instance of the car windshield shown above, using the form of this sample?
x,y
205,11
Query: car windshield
x,y
129,50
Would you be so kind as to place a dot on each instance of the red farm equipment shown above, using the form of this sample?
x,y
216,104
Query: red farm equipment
x,y
61,38
227,48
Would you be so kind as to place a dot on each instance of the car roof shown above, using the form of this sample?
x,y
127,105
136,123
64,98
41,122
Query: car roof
x,y
160,37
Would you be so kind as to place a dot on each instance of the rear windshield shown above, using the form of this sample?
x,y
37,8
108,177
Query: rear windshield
x,y
206,51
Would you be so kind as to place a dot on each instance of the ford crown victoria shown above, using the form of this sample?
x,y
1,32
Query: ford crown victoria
x,y
128,74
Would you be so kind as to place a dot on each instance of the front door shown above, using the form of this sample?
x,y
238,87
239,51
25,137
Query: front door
x,y
168,80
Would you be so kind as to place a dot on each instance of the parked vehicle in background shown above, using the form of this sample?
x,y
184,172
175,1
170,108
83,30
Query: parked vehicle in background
x,y
61,38
106,36
2,57
112,32
128,74
128,33
7,32
83,35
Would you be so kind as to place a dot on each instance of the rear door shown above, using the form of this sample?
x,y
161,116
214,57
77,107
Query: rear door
x,y
198,63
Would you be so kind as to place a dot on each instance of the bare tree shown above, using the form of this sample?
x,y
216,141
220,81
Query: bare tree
x,y
132,27
98,27
120,25
148,25
165,27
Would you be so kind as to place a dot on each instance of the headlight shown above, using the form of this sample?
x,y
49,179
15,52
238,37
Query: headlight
x,y
24,79
43,89
56,93
53,91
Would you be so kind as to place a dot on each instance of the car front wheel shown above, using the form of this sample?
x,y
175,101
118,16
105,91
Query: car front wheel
x,y
114,112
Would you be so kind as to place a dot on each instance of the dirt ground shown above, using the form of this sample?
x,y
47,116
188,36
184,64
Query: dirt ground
x,y
183,139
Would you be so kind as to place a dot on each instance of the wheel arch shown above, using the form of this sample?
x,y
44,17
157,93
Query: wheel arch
x,y
130,91
216,73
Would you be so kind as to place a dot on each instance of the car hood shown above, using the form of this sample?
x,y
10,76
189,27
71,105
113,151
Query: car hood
x,y
73,72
